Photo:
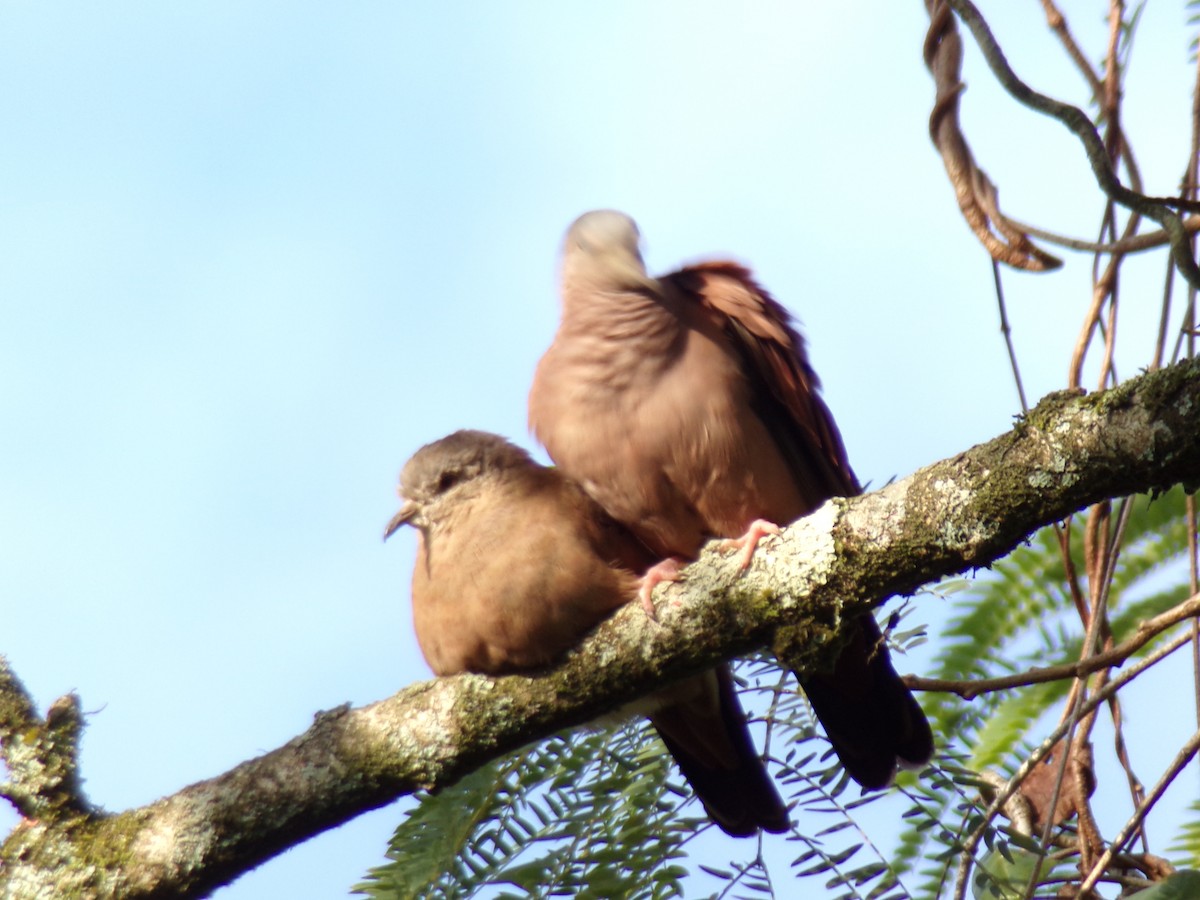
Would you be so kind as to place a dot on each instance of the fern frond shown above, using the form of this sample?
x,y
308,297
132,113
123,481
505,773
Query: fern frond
x,y
1020,615
589,813
1186,847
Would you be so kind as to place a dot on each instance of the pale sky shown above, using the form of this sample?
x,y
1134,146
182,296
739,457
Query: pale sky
x,y
258,253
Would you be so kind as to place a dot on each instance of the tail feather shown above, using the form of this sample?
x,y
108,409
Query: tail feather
x,y
873,721
705,729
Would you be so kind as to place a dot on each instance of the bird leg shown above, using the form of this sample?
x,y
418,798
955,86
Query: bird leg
x,y
666,570
748,542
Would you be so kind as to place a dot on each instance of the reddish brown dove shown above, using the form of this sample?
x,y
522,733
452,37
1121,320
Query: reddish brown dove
x,y
515,564
685,405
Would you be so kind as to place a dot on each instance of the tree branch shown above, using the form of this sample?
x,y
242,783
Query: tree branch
x,y
850,555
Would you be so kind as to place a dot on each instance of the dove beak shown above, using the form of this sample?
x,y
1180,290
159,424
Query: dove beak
x,y
405,516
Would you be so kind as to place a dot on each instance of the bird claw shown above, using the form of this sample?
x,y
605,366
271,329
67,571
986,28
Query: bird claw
x,y
666,570
748,542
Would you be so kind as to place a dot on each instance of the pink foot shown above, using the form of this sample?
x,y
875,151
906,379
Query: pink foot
x,y
667,570
748,542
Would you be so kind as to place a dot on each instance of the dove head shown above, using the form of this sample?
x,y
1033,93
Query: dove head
x,y
451,471
604,245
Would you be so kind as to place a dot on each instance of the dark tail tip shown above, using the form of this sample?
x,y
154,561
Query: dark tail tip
x,y
873,721
712,746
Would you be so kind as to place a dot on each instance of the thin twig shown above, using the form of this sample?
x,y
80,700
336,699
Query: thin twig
x,y
1182,758
1105,286
1136,789
972,842
1063,533
1146,631
1137,243
1108,374
1164,318
1072,722
1194,583
1191,187
1078,724
1007,332
1058,24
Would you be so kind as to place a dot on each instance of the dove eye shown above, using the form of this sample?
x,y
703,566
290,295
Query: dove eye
x,y
448,479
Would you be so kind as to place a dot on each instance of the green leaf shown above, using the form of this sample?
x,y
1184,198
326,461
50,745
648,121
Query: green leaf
x,y
1182,885
1003,876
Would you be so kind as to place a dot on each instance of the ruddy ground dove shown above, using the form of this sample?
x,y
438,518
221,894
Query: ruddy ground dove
x,y
516,563
686,407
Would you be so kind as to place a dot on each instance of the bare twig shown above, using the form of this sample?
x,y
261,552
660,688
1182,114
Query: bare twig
x,y
1164,317
1058,24
1146,631
1191,187
1194,583
971,844
1007,332
1182,758
1127,246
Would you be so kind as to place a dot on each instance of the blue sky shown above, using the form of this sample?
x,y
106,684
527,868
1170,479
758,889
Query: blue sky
x,y
256,254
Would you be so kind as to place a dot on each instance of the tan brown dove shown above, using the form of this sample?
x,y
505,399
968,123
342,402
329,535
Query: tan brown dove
x,y
686,406
515,564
